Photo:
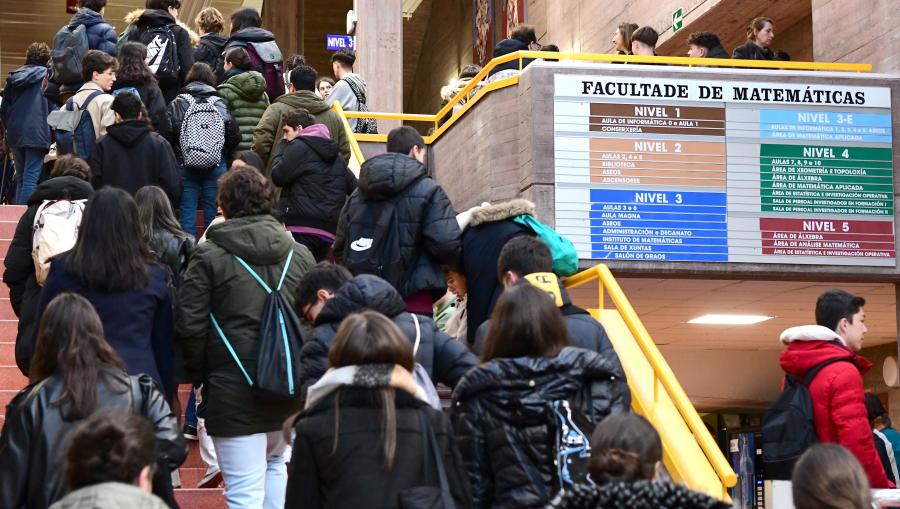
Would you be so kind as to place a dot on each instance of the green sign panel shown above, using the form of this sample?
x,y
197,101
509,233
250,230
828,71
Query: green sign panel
x,y
822,179
677,20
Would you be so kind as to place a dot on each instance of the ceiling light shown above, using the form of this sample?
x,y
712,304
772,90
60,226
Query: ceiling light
x,y
713,319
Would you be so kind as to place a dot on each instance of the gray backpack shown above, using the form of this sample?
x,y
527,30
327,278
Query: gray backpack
x,y
421,375
69,46
202,135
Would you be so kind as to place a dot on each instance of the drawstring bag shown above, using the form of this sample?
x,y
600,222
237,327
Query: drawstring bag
x,y
565,257
278,347
421,375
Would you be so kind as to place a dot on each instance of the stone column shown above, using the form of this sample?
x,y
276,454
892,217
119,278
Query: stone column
x,y
379,56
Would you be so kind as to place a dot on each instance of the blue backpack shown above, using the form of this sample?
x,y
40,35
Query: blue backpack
x,y
565,257
74,128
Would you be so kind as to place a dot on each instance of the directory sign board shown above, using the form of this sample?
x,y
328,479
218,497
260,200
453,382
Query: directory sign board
x,y
706,171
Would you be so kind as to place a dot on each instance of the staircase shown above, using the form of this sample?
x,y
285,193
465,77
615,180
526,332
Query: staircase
x,y
11,381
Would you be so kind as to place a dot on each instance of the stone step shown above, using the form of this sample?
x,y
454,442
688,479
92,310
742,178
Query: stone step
x,y
200,499
12,212
4,246
191,476
6,395
7,353
6,310
8,228
11,378
4,290
8,329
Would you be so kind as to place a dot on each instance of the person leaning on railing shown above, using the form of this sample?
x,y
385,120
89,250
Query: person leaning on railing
x,y
760,34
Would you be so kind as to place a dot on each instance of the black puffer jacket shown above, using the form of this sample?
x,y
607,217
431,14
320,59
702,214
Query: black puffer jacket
x,y
315,181
209,51
35,436
24,292
505,47
177,109
635,495
353,475
717,52
752,51
503,425
429,233
445,359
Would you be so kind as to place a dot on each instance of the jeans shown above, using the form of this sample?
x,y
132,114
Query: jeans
x,y
190,411
254,468
29,164
199,186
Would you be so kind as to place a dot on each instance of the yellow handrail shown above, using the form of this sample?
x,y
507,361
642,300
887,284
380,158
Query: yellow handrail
x,y
356,155
661,368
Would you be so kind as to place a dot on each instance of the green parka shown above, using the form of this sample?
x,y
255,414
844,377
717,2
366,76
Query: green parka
x,y
268,131
245,95
216,283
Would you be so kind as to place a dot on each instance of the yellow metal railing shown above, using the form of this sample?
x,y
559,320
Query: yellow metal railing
x,y
356,155
440,127
707,469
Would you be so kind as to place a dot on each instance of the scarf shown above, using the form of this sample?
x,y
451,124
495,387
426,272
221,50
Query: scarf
x,y
370,376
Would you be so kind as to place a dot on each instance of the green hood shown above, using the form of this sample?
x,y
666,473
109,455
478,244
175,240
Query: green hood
x,y
259,240
250,85
304,99
110,495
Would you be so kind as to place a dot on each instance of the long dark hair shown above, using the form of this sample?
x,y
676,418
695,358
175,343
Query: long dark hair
x,y
245,17
110,254
155,212
132,63
525,323
70,343
372,338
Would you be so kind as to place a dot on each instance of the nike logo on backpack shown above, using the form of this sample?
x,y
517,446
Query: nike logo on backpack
x,y
361,244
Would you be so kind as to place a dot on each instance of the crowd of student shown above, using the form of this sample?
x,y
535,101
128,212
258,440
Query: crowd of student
x,y
312,320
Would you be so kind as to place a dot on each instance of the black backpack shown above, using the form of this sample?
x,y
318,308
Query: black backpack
x,y
373,242
162,51
278,347
788,428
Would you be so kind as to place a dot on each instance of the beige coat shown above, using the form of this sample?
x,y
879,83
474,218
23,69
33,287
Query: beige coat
x,y
100,108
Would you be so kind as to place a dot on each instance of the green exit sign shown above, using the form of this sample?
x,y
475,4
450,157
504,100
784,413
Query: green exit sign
x,y
677,20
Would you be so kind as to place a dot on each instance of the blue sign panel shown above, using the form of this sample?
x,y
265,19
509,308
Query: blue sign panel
x,y
336,42
658,225
825,126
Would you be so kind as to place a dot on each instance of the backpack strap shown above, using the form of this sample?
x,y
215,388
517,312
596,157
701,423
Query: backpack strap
x,y
418,333
808,378
90,98
356,89
287,264
230,349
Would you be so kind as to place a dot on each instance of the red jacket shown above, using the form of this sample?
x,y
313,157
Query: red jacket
x,y
837,394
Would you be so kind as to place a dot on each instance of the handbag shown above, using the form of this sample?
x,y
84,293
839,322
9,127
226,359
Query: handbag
x,y
428,496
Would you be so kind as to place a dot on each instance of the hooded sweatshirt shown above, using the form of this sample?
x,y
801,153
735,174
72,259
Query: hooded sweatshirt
x,y
244,92
315,181
505,47
216,283
268,131
132,156
839,410
24,109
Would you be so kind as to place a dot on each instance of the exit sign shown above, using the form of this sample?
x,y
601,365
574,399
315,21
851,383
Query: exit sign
x,y
677,20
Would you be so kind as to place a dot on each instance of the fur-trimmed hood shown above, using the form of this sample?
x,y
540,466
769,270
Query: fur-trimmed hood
x,y
133,16
810,333
501,211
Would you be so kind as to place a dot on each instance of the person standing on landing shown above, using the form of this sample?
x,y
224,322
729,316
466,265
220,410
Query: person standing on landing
x,y
760,35
350,88
838,399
